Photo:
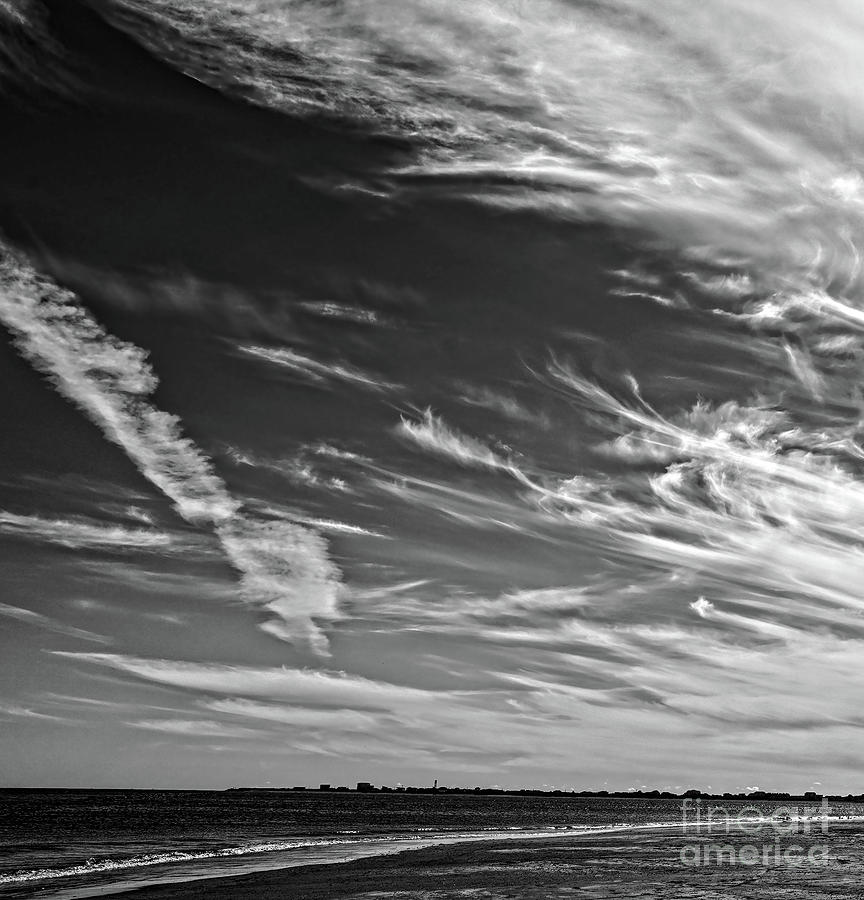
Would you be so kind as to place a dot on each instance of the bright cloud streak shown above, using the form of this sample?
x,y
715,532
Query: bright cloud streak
x,y
736,497
306,685
81,534
110,381
432,434
284,567
313,369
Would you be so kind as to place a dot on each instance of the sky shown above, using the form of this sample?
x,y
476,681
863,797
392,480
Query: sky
x,y
417,390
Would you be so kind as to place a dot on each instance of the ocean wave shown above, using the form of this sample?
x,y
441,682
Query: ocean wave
x,y
95,867
424,836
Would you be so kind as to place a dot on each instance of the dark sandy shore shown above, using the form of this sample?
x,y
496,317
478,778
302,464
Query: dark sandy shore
x,y
632,865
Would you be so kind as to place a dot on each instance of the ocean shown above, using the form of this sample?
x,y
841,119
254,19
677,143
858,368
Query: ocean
x,y
76,843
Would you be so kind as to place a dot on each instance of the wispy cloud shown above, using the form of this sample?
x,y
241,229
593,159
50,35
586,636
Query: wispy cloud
x,y
433,435
78,534
314,370
335,527
742,495
673,683
285,570
30,37
297,716
194,728
11,710
111,382
89,605
470,506
502,403
299,470
307,686
46,623
329,705
328,309
734,527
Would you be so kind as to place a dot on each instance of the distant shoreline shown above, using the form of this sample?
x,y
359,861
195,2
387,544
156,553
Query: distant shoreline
x,y
691,794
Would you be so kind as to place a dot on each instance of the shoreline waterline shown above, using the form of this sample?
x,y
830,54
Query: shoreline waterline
x,y
327,851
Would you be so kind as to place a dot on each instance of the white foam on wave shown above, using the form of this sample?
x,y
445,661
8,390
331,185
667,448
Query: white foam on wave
x,y
93,867
418,838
